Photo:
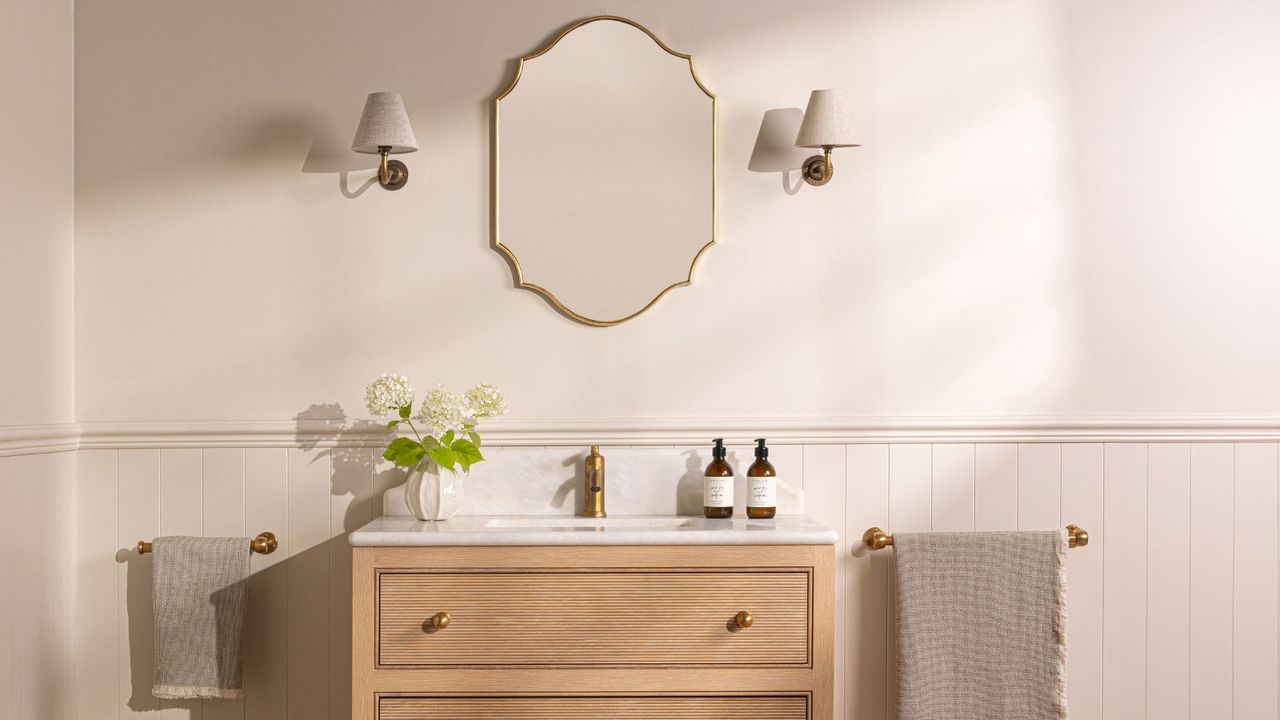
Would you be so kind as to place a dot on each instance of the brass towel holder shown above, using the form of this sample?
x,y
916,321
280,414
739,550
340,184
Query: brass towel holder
x,y
265,544
878,539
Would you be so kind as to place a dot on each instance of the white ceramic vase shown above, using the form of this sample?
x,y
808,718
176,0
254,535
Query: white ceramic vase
x,y
433,494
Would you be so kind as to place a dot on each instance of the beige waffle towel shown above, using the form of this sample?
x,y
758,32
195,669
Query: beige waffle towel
x,y
981,623
200,601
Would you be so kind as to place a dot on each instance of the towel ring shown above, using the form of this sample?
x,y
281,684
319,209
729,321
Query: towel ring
x,y
877,539
265,544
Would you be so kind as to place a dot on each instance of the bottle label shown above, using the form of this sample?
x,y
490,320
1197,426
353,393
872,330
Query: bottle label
x,y
762,492
717,492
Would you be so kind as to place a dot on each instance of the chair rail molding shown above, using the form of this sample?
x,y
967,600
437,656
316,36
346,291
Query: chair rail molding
x,y
37,439
558,432
695,431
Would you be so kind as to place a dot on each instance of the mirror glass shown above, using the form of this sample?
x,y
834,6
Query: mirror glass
x,y
604,177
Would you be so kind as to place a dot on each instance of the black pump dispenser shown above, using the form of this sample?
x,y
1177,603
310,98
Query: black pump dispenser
x,y
718,451
761,450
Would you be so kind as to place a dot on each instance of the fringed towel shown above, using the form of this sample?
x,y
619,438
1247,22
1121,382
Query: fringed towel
x,y
200,601
981,625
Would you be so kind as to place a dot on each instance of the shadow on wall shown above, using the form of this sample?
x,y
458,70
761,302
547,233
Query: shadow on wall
x,y
276,631
331,152
775,149
324,427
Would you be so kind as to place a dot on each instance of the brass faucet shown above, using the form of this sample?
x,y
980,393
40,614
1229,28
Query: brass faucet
x,y
593,495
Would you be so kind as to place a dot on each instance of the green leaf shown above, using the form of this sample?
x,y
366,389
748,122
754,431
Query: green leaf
x,y
404,452
405,411
475,437
444,457
447,439
467,452
429,442
392,424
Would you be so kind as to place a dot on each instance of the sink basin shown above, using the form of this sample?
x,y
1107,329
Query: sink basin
x,y
401,531
582,523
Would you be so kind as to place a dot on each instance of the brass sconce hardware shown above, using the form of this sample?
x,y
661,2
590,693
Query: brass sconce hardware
x,y
744,620
264,544
392,174
878,539
440,620
827,124
385,129
817,170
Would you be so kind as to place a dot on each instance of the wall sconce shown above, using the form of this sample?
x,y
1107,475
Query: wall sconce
x,y
384,129
826,125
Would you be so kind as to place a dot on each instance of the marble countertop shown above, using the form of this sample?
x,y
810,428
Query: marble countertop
x,y
495,530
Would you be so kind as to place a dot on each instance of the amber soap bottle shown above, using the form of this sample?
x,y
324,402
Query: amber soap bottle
x,y
717,484
762,485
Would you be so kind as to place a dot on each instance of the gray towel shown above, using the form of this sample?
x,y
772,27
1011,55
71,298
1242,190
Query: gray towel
x,y
199,597
981,625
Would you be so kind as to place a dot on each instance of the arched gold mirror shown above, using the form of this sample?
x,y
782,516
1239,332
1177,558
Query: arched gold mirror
x,y
604,171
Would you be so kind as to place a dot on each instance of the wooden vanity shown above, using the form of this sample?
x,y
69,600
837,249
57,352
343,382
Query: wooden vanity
x,y
455,631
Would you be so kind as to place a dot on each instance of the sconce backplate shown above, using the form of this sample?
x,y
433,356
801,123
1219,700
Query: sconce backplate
x,y
815,171
397,175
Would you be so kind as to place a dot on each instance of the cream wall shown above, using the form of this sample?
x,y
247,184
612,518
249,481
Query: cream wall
x,y
36,358
36,213
1062,209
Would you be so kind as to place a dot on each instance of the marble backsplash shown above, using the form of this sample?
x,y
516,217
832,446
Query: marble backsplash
x,y
638,481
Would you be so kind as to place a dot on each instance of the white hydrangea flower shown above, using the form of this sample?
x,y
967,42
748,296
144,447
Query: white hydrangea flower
x,y
486,401
444,410
388,394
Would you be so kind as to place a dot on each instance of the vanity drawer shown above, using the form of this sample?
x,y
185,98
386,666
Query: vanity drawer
x,y
607,617
795,707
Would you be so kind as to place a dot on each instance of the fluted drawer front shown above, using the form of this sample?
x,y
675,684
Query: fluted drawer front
x,y
619,708
594,618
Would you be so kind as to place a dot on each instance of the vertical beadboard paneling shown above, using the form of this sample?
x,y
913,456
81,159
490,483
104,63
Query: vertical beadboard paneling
x,y
266,662
1168,579
1160,626
308,577
1039,486
139,519
910,510
1212,570
1255,590
181,492
910,488
995,487
1125,577
97,585
35,595
867,583
222,488
825,496
1082,504
353,502
953,486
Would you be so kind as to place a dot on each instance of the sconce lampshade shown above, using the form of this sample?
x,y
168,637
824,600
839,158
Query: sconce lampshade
x,y
384,123
827,122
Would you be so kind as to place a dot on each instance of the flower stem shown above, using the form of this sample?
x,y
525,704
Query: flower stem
x,y
414,429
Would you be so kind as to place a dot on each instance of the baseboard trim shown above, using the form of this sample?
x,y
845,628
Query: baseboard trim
x,y
63,437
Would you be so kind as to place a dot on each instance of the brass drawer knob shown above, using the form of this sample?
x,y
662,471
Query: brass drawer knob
x,y
440,620
744,619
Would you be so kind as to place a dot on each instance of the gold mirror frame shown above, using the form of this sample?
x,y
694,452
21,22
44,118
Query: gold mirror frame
x,y
510,256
